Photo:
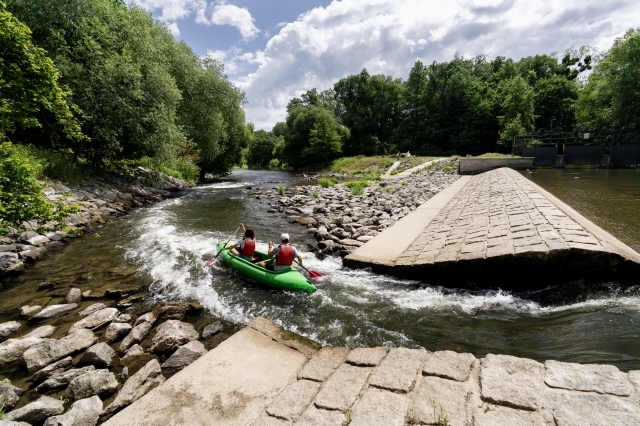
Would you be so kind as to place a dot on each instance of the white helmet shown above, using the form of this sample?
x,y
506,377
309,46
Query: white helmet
x,y
284,236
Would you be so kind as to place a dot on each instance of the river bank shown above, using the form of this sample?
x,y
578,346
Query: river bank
x,y
69,338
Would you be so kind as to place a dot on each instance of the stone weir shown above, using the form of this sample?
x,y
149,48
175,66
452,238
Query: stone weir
x,y
497,229
266,376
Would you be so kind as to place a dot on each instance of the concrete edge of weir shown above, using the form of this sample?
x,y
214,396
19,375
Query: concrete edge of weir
x,y
266,376
609,259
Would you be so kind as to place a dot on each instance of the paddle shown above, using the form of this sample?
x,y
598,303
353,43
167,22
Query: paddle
x,y
210,261
312,274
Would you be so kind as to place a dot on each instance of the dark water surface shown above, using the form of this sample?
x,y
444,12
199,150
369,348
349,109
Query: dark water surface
x,y
167,244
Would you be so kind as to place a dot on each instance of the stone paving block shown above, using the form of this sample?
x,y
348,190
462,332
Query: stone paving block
x,y
604,379
577,409
342,388
439,399
449,365
323,363
380,408
527,241
511,381
502,416
293,399
367,357
398,371
316,417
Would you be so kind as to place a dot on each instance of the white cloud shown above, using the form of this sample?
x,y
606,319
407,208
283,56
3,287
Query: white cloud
x,y
388,36
235,61
239,17
174,10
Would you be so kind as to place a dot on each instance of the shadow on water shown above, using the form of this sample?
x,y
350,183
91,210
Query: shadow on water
x,y
166,245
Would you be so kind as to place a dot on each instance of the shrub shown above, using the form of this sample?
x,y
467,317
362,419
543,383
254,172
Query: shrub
x,y
314,194
357,186
21,198
281,190
327,183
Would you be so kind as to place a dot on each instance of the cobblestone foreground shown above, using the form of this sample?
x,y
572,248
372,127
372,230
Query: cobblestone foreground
x,y
497,227
377,386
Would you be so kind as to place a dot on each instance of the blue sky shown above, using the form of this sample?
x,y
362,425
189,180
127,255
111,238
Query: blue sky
x,y
275,50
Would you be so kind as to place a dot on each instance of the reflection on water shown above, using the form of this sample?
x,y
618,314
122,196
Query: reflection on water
x,y
580,322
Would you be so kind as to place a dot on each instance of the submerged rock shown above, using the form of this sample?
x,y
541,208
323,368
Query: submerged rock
x,y
172,334
177,310
37,411
146,379
211,330
84,412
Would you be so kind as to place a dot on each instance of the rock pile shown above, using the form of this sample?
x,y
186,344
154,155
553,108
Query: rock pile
x,y
100,201
83,366
341,221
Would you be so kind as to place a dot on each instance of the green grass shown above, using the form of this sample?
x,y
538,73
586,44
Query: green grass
x,y
394,172
314,194
389,190
360,164
403,183
327,182
357,186
281,190
448,168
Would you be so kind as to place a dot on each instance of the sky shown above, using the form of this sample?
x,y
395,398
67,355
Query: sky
x,y
275,50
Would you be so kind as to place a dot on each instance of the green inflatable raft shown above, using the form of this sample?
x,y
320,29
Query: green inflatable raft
x,y
287,279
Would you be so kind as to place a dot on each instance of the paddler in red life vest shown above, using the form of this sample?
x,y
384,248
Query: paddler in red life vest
x,y
247,246
284,253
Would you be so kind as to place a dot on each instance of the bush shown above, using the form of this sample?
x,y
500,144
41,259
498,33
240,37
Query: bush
x,y
21,198
184,170
314,194
357,186
327,183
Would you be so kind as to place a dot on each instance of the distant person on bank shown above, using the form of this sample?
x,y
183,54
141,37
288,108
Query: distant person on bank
x,y
247,247
284,253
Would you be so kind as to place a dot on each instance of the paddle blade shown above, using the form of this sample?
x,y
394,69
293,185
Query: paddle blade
x,y
209,262
315,274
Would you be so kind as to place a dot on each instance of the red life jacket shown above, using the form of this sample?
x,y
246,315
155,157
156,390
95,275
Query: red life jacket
x,y
249,248
285,257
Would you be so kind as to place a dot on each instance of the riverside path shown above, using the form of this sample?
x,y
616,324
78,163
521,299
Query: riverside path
x,y
497,229
266,376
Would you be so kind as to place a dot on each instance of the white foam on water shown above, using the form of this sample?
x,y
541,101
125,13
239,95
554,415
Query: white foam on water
x,y
174,259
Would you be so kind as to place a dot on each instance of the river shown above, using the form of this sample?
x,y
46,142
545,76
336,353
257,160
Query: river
x,y
166,245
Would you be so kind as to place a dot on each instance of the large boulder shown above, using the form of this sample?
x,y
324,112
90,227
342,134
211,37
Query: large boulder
x,y
116,331
54,350
146,379
8,329
9,395
172,334
97,382
84,412
149,317
96,319
12,350
37,411
54,311
99,355
136,335
62,380
184,356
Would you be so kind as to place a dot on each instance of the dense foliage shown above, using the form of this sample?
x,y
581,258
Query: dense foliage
x,y
465,106
143,94
21,199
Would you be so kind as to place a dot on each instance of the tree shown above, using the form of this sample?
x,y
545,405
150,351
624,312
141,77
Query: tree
x,y
260,150
555,100
29,84
21,198
517,108
325,140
